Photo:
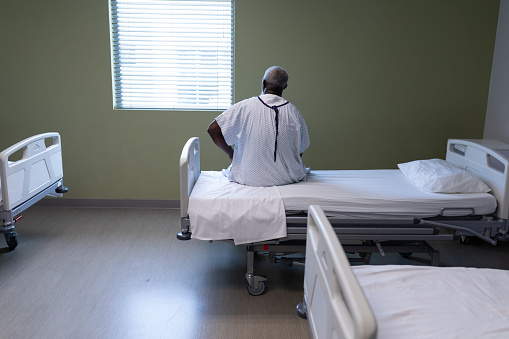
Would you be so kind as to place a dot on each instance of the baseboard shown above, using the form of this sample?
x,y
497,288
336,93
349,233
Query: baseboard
x,y
109,203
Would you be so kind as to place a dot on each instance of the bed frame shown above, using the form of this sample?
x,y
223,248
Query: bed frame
x,y
334,302
487,159
29,171
340,302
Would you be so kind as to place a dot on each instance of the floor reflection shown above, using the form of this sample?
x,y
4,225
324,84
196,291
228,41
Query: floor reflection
x,y
153,312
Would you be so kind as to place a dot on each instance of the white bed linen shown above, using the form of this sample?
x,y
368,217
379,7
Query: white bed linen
x,y
376,194
437,302
221,210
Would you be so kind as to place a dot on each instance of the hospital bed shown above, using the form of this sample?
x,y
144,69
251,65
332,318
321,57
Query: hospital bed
x,y
396,301
29,171
372,211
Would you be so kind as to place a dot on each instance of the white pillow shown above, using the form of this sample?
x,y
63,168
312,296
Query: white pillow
x,y
440,176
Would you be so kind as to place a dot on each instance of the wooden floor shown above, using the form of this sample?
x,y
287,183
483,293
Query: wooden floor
x,y
121,273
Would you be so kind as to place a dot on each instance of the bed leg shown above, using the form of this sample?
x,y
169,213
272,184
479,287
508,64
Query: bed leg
x,y
434,255
250,260
365,257
256,283
185,234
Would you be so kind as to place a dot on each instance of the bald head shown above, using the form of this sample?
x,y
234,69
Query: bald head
x,y
274,80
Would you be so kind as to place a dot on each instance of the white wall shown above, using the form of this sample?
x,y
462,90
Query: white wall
x,y
497,115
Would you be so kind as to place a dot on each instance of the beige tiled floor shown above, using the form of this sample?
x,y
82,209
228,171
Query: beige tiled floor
x,y
121,273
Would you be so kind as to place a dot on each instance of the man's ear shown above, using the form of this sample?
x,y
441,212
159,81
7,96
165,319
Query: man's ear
x,y
285,86
264,85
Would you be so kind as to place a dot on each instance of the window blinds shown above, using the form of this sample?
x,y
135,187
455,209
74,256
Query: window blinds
x,y
175,55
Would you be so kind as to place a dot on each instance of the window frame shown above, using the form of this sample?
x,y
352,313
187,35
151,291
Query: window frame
x,y
118,89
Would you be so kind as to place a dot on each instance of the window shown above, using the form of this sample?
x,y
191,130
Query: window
x,y
172,55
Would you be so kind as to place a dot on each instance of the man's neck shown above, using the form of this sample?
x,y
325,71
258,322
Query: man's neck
x,y
269,91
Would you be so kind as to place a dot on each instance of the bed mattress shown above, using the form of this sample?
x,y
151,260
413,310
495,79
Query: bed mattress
x,y
377,194
358,194
220,209
437,302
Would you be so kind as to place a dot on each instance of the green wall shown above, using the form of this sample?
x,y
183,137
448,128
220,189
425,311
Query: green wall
x,y
378,82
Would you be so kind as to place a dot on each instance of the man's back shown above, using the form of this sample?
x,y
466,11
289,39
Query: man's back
x,y
258,159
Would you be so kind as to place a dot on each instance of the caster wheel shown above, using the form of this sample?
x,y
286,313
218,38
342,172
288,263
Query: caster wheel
x,y
463,239
184,236
406,254
258,291
302,311
12,239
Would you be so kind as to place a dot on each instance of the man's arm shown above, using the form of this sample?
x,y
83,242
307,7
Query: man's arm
x,y
217,136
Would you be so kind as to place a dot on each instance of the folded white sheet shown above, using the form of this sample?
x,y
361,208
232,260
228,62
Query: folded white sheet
x,y
437,302
220,210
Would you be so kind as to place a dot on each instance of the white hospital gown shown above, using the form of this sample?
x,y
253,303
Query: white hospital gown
x,y
251,127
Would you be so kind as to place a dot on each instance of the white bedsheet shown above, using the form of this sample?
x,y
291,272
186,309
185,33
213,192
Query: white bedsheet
x,y
220,210
376,194
437,302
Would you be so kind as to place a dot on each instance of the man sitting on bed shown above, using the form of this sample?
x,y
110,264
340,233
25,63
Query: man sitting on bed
x,y
269,135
